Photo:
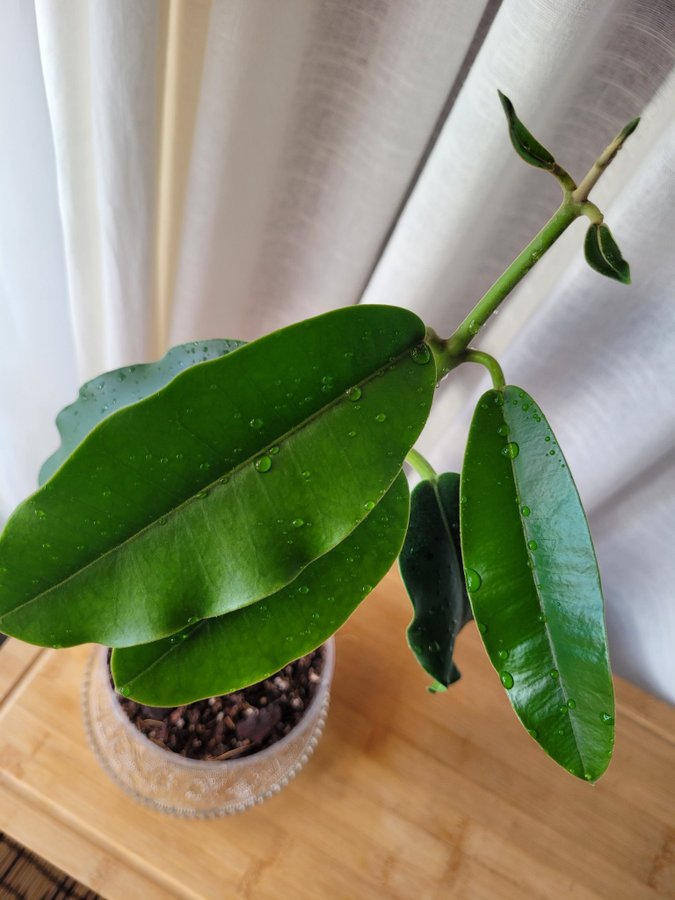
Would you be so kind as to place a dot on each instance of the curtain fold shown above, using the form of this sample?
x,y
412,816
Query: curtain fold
x,y
192,169
312,119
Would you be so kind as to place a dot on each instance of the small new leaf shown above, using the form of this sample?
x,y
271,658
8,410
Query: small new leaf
x,y
432,574
603,254
526,145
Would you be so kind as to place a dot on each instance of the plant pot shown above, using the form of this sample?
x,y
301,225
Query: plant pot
x,y
173,784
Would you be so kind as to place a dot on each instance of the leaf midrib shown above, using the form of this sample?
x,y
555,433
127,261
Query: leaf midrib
x,y
538,593
208,487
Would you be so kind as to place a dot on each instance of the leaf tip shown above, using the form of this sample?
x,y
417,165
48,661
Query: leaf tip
x,y
525,144
629,129
507,106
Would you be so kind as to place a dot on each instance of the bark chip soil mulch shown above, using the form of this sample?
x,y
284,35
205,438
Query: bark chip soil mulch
x,y
237,724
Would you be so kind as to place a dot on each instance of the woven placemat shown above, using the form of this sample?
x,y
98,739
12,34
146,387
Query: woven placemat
x,y
25,876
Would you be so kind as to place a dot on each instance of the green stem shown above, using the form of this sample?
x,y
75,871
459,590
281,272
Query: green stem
x,y
423,468
490,363
452,351
589,180
457,343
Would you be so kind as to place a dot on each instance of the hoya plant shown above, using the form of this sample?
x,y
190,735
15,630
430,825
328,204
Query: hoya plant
x,y
219,513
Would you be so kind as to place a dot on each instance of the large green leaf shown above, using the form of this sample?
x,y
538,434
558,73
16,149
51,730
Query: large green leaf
x,y
182,506
228,652
432,574
533,581
104,395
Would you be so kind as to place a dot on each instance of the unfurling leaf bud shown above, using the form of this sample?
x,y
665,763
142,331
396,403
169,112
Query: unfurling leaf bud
x,y
526,145
603,254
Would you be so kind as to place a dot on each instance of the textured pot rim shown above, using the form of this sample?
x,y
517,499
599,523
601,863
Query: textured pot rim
x,y
169,756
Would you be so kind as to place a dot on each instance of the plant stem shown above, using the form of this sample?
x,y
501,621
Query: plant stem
x,y
450,352
490,363
457,343
423,468
590,179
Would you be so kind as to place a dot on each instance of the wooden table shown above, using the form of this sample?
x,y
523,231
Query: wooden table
x,y
409,795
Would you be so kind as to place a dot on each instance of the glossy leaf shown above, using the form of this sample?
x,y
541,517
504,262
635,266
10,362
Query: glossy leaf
x,y
112,391
603,254
525,144
228,652
181,506
533,582
432,574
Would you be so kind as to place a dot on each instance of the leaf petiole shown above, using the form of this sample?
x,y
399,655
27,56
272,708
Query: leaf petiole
x,y
490,363
423,468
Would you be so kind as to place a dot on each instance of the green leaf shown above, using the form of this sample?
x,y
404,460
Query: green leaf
x,y
114,390
526,145
603,254
533,582
181,507
432,575
228,652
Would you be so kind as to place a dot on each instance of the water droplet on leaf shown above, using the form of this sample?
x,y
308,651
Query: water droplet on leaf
x,y
473,580
511,450
263,464
507,680
421,354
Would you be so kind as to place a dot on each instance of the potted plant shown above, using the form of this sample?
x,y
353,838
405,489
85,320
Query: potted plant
x,y
219,514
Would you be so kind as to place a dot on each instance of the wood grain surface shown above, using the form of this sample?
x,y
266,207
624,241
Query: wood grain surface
x,y
409,795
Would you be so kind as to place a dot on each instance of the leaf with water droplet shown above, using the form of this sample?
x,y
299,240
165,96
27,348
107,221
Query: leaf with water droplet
x,y
535,562
431,572
229,652
132,581
150,378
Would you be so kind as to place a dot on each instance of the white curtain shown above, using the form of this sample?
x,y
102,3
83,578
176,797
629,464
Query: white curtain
x,y
179,169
